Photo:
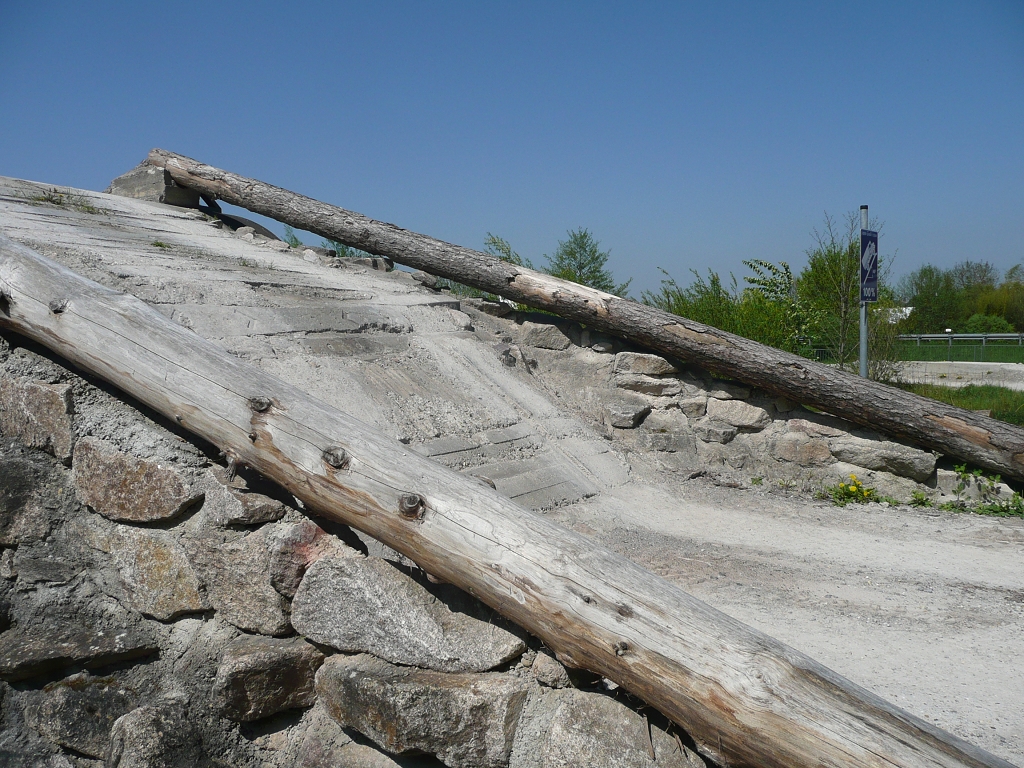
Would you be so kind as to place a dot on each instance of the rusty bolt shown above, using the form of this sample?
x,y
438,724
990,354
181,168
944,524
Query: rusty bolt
x,y
410,506
259,404
336,456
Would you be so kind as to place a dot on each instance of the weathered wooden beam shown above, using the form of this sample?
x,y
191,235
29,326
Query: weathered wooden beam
x,y
747,699
980,440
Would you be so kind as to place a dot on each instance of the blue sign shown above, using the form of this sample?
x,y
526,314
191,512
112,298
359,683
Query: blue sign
x,y
868,265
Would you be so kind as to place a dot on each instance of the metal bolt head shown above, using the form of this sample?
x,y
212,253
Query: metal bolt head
x,y
336,456
410,505
260,404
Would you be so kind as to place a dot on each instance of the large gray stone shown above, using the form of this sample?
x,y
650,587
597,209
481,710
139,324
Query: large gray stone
x,y
626,414
885,456
238,582
547,671
651,385
467,720
260,676
738,413
79,711
711,431
156,575
155,737
800,448
367,605
637,362
40,649
127,488
574,729
323,743
38,414
146,182
229,502
296,546
23,518
544,336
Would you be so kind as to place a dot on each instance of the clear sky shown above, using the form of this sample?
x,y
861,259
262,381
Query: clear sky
x,y
683,135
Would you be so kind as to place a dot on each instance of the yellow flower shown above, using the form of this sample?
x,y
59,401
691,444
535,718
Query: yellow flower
x,y
853,477
842,486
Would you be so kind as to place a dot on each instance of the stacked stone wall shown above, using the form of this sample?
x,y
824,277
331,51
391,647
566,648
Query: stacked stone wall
x,y
158,610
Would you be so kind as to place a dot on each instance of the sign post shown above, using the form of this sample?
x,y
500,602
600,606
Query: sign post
x,y
868,282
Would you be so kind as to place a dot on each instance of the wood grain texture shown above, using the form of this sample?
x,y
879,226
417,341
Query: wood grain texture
x,y
980,440
747,699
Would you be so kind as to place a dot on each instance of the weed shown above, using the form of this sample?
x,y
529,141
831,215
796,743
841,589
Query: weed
x,y
853,491
252,263
1012,507
920,499
64,198
757,481
159,244
291,238
787,485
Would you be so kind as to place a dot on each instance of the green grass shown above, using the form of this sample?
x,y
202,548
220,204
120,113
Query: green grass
x,y
1006,404
63,198
962,351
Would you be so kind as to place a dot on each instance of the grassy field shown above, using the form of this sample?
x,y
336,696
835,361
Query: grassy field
x,y
1005,404
962,351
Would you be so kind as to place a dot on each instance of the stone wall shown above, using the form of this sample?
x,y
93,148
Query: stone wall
x,y
694,422
156,610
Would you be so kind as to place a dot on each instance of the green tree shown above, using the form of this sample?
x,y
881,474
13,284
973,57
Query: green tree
x,y
830,287
933,296
979,323
765,312
581,260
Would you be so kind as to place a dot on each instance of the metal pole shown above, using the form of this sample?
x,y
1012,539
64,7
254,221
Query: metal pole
x,y
863,309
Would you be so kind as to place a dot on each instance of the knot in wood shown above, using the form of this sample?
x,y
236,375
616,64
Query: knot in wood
x,y
5,303
259,404
57,305
410,506
621,648
336,457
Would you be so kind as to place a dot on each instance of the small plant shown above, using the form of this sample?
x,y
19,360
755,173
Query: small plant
x,y
64,198
757,481
853,491
251,263
787,485
291,238
159,244
1012,507
920,499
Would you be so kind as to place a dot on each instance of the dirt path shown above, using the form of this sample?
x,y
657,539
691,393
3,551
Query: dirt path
x,y
925,608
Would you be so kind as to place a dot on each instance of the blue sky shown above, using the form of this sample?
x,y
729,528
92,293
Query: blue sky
x,y
683,135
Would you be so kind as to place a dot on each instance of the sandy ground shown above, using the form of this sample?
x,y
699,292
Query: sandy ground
x,y
925,608
1009,375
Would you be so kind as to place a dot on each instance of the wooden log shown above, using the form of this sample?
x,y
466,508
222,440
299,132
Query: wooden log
x,y
966,435
745,698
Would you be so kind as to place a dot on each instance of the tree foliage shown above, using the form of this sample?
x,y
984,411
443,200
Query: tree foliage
x,y
580,259
957,298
